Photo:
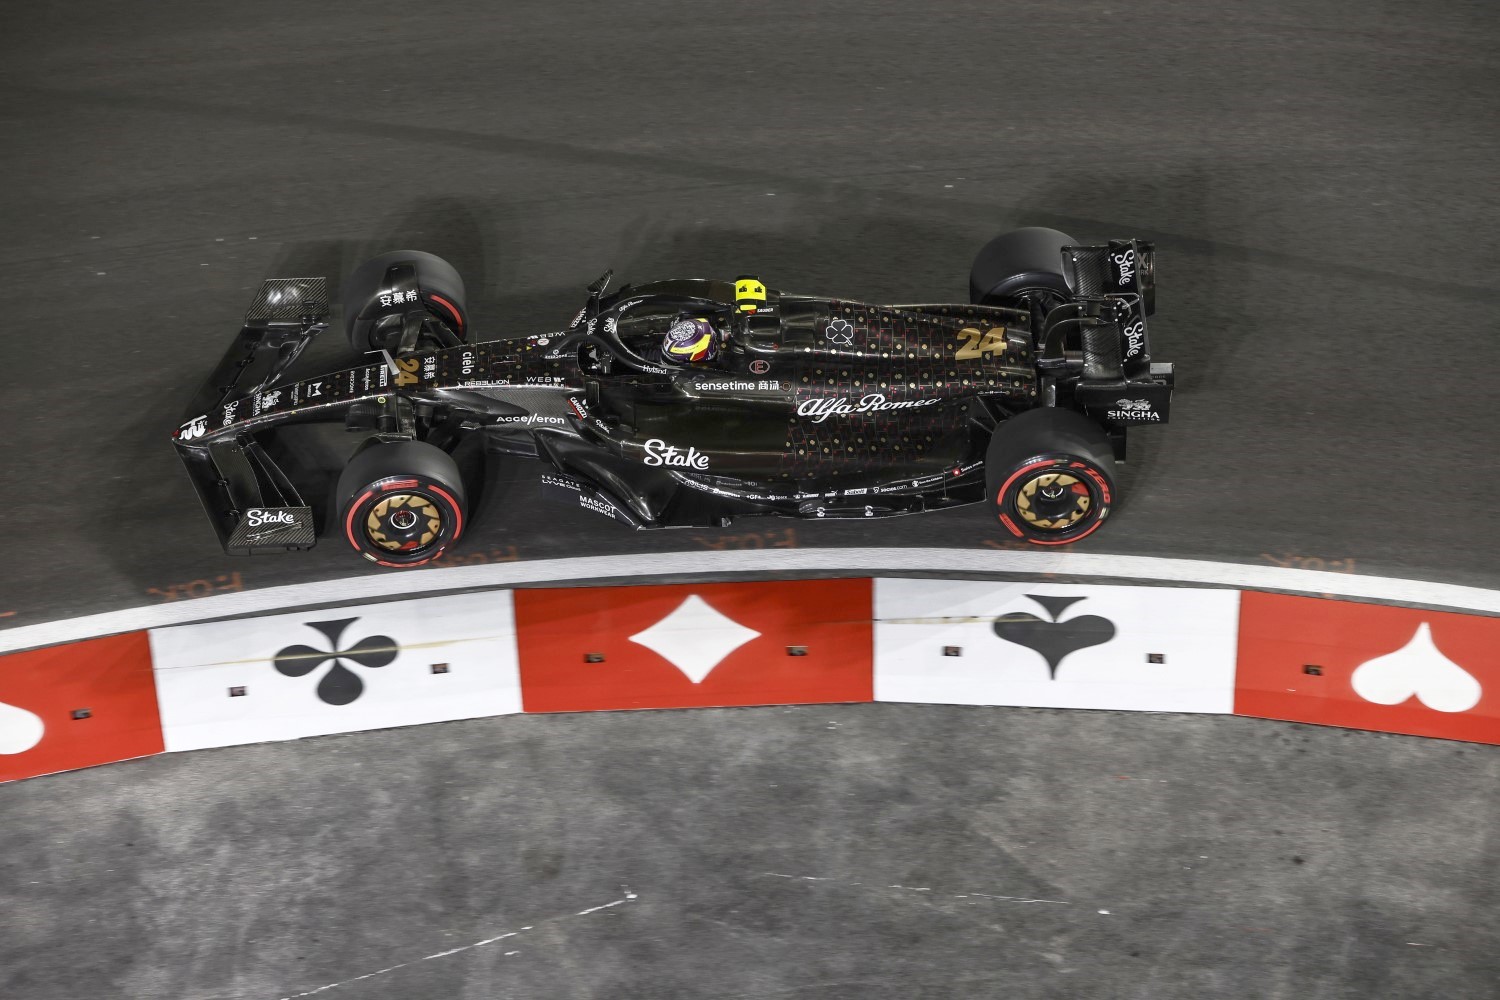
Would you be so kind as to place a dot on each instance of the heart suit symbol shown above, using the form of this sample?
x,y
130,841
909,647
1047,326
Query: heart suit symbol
x,y
1054,640
20,730
1417,669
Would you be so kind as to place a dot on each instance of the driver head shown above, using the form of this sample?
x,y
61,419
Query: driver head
x,y
691,339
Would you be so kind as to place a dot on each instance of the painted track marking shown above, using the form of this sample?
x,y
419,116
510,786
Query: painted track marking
x,y
858,561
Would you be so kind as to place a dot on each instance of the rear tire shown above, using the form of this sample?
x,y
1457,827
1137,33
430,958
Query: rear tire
x,y
442,292
1018,265
401,503
1047,476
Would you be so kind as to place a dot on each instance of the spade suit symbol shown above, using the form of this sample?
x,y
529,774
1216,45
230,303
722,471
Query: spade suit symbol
x,y
1054,640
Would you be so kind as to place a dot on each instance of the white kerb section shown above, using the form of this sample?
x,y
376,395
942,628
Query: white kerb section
x,y
855,562
337,670
1155,649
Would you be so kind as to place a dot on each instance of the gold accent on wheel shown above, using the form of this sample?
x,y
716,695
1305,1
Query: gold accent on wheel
x,y
375,523
1055,484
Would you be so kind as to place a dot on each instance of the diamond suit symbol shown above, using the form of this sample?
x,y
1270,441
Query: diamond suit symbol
x,y
695,638
1054,639
1419,668
340,686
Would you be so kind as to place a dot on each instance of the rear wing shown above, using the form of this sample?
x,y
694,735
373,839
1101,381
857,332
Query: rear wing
x,y
251,502
1114,291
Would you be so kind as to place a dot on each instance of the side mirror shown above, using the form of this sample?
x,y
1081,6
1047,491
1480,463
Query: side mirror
x,y
603,282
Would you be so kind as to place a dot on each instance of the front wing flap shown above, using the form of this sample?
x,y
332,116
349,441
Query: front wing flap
x,y
252,504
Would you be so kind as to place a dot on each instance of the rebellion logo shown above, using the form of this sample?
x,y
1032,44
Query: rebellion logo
x,y
658,452
821,409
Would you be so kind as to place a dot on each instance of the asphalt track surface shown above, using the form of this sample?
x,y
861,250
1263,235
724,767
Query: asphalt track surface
x,y
1319,178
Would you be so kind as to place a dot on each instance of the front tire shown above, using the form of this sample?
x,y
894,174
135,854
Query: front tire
x,y
442,294
1047,476
401,503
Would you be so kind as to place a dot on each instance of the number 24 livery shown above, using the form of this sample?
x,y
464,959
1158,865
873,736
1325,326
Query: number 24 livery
x,y
689,402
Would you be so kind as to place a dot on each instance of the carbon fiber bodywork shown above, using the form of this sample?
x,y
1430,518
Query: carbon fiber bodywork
x,y
814,407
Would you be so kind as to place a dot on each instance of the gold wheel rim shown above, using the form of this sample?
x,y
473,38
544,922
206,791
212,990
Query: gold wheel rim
x,y
1036,491
395,505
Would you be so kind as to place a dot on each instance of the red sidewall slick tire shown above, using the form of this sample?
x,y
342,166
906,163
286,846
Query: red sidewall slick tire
x,y
442,293
1047,475
402,503
1077,475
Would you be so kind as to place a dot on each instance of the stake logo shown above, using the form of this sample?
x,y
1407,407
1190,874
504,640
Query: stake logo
x,y
658,452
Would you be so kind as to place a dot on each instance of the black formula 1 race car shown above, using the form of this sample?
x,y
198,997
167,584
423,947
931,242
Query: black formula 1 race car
x,y
806,407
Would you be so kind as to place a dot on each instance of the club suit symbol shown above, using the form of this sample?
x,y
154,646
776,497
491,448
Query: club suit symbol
x,y
340,685
1054,640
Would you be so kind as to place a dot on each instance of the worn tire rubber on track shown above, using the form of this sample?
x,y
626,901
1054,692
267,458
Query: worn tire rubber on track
x,y
1047,476
401,503
442,293
1017,262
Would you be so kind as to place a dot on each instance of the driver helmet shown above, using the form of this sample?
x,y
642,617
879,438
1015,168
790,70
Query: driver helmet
x,y
691,339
